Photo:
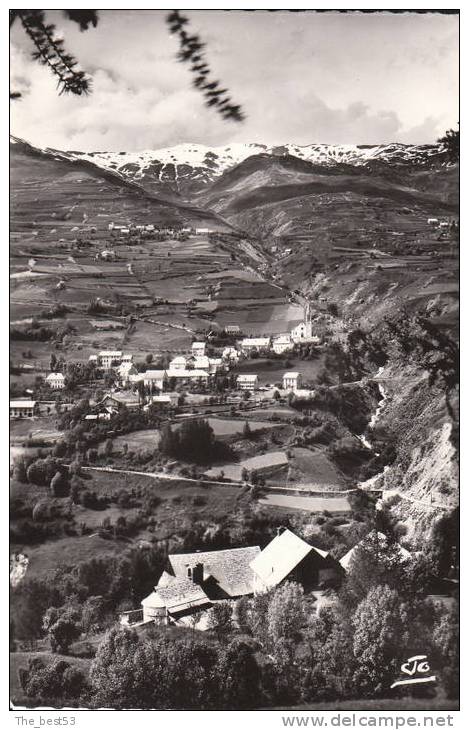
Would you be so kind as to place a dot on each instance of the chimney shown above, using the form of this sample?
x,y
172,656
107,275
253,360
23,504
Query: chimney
x,y
198,573
189,572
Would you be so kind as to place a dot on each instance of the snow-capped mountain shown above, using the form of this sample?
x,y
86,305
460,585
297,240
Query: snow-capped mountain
x,y
188,168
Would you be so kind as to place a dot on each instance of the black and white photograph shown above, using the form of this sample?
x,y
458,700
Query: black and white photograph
x,y
234,331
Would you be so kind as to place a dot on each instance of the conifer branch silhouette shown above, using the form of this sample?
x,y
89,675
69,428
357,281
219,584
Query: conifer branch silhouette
x,y
192,50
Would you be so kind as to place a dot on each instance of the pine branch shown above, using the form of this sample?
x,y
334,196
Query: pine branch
x,y
50,52
192,50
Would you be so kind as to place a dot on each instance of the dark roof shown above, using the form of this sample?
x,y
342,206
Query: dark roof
x,y
229,568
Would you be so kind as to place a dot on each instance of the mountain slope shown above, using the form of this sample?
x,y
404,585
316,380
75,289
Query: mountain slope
x,y
189,168
51,191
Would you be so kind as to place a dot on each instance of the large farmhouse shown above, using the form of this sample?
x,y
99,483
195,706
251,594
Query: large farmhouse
x,y
193,582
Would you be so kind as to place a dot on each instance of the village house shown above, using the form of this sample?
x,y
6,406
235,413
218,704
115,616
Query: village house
x,y
188,377
232,329
216,364
302,331
282,343
292,381
193,582
155,378
56,381
23,408
200,362
125,371
198,348
432,221
266,465
247,382
113,401
108,359
231,354
254,344
169,399
178,363
288,556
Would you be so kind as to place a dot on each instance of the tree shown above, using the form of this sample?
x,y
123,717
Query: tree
x,y
286,617
239,676
329,670
383,629
50,50
58,485
191,51
377,561
221,619
247,430
149,358
450,142
113,674
63,633
446,642
108,446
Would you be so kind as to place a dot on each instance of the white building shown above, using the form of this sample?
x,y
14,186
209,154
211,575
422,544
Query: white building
x,y
56,381
189,377
23,408
302,331
157,378
108,359
178,363
292,381
281,344
247,382
216,364
198,348
232,329
254,344
231,354
432,221
169,399
201,362
124,371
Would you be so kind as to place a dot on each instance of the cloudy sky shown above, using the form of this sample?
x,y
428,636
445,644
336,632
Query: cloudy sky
x,y
300,77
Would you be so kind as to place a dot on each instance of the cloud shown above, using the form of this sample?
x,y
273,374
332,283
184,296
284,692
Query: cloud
x,y
300,78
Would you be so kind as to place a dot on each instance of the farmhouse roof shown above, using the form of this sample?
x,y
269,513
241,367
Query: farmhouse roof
x,y
179,595
198,345
255,342
347,558
292,375
180,360
195,373
230,568
246,378
110,353
56,376
154,374
281,556
272,458
22,403
201,362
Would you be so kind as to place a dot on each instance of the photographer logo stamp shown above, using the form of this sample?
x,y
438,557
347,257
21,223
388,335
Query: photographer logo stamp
x,y
417,671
